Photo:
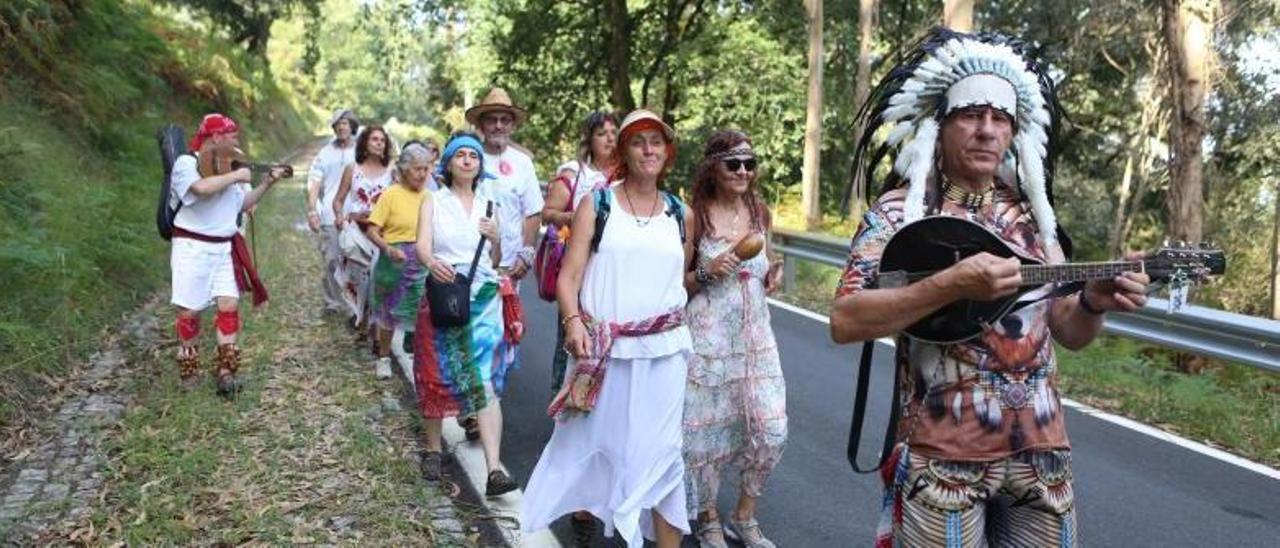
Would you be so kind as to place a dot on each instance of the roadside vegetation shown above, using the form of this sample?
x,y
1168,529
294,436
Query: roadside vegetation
x,y
83,86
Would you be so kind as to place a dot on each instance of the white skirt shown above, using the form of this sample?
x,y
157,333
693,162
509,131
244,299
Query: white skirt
x,y
201,271
622,461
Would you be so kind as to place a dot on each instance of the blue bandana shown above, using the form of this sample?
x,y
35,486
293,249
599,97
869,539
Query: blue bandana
x,y
453,146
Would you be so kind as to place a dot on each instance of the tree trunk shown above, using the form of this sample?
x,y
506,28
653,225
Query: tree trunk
x,y
1122,201
1275,258
958,15
867,23
1188,30
619,44
1137,166
813,120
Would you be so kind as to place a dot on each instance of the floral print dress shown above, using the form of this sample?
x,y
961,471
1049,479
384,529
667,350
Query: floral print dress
x,y
735,399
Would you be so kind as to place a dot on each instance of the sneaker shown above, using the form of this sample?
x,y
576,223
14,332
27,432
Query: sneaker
x,y
432,465
499,484
228,361
383,368
228,385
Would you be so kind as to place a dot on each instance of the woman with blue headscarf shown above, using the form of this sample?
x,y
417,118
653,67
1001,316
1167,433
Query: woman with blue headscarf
x,y
455,366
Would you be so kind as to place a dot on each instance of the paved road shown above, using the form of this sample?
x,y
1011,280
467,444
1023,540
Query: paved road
x,y
1132,489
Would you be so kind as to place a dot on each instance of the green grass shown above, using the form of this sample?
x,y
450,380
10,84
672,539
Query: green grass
x,y
1232,406
294,455
84,87
1228,405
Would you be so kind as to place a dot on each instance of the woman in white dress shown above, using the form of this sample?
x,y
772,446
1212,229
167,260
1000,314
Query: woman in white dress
x,y
615,453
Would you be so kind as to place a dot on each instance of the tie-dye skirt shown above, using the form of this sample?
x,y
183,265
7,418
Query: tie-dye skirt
x,y
454,365
397,288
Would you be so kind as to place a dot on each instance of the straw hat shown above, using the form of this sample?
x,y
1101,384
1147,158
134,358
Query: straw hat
x,y
497,99
640,115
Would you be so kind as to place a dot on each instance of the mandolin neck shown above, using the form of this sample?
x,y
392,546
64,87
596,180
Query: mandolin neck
x,y
1076,272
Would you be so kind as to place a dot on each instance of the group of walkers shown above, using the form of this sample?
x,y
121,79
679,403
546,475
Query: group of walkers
x,y
666,374
660,292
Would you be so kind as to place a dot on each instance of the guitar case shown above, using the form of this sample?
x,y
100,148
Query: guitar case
x,y
173,143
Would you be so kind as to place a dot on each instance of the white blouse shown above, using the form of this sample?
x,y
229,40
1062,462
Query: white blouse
x,y
456,233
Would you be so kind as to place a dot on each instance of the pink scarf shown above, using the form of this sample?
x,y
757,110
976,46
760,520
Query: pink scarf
x,y
579,394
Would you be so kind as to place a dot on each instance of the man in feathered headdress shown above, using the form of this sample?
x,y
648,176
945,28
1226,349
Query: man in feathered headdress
x,y
971,125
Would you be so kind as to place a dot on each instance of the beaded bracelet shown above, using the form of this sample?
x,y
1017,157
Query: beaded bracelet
x,y
701,276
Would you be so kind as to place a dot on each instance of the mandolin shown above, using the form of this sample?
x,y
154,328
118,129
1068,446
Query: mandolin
x,y
217,159
924,247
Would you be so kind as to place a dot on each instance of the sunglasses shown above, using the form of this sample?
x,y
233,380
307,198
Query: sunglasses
x,y
733,164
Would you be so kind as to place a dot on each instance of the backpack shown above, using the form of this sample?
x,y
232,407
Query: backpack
x,y
675,208
173,143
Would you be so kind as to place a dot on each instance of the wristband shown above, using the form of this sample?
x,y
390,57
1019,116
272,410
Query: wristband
x,y
565,322
1088,308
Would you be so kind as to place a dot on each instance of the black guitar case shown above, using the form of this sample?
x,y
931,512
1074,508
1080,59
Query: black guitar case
x,y
173,143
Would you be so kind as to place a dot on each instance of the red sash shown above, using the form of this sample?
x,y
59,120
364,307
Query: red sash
x,y
241,262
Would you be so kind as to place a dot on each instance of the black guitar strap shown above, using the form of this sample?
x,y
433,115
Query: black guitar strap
x,y
860,411
1061,291
891,429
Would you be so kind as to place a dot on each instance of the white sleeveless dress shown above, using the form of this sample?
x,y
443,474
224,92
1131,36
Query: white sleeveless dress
x,y
623,461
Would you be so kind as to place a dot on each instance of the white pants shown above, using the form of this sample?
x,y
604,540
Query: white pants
x,y
201,271
331,254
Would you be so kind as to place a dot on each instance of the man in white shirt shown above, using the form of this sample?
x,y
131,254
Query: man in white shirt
x,y
518,194
209,259
323,180
519,199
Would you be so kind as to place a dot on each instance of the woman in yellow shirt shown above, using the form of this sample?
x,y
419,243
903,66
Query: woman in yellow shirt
x,y
398,276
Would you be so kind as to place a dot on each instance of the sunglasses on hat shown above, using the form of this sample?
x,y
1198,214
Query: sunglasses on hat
x,y
733,164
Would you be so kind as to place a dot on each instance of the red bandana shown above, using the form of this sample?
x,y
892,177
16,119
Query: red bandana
x,y
213,124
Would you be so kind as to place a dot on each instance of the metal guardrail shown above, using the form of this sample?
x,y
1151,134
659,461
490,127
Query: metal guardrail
x,y
1196,329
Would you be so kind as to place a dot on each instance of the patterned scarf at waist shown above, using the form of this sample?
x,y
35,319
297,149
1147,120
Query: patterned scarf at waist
x,y
579,394
241,262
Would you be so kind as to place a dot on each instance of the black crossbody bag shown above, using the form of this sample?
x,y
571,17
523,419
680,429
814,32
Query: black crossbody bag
x,y
450,302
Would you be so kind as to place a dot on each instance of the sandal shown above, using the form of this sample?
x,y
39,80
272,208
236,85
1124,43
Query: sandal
x,y
748,533
499,484
711,534
472,427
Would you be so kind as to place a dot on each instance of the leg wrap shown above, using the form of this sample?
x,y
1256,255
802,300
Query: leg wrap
x,y
228,359
188,362
188,327
228,322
